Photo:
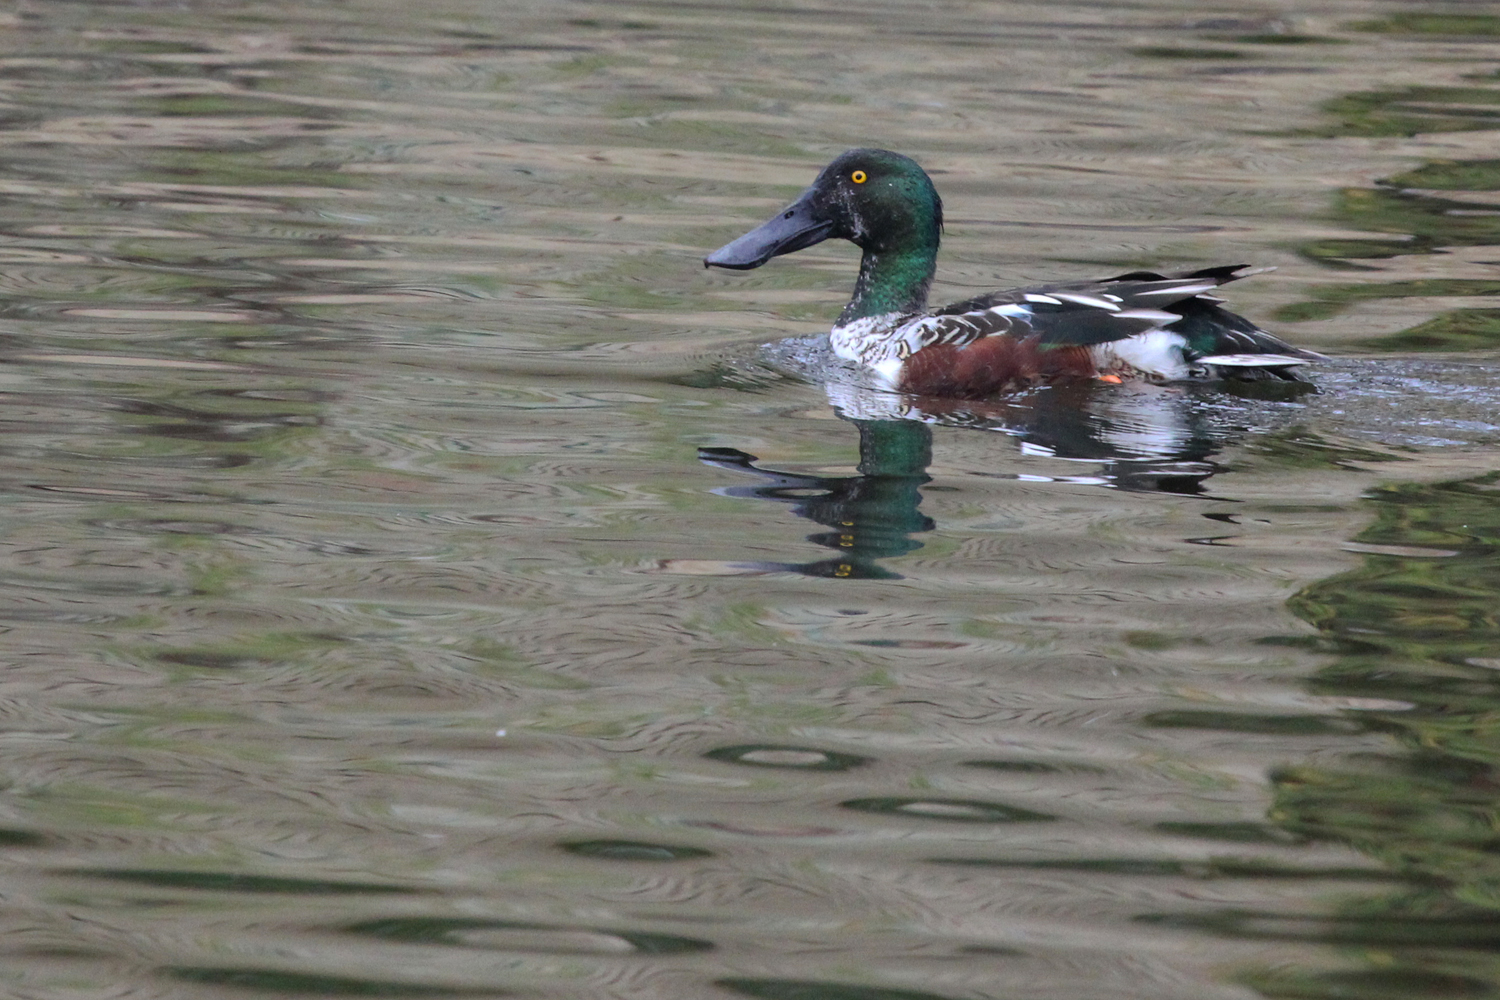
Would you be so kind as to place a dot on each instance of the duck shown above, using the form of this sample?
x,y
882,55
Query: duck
x,y
1139,325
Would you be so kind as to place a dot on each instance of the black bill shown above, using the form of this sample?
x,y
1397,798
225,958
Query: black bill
x,y
796,227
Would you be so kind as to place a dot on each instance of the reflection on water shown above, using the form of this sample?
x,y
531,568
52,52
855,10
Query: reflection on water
x,y
872,514
1135,437
370,629
1414,635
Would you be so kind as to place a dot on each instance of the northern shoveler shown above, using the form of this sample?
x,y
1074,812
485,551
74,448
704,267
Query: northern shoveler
x,y
1135,325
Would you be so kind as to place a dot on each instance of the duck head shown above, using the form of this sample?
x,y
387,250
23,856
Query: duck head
x,y
882,202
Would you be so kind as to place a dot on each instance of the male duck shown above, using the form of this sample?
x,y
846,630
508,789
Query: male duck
x,y
1140,324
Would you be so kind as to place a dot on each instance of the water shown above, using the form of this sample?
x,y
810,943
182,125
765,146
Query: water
x,y
419,581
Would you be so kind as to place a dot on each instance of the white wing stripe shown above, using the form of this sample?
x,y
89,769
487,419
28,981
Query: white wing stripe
x,y
1176,291
1251,360
1092,301
1153,315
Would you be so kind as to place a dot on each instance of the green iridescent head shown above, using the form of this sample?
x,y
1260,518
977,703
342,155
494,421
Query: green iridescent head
x,y
880,201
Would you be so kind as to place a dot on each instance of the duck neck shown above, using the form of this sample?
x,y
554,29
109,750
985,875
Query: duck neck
x,y
892,281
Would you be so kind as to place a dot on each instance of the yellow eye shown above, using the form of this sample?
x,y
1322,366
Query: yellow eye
x,y
858,177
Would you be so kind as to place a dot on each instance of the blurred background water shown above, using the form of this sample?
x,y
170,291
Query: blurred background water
x,y
419,581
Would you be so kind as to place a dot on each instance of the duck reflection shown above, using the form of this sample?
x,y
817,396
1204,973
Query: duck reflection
x,y
1139,438
872,514
1142,438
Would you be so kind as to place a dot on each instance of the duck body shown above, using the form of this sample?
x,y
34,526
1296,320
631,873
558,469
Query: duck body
x,y
1136,325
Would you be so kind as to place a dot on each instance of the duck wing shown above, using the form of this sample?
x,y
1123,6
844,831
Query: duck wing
x,y
1087,313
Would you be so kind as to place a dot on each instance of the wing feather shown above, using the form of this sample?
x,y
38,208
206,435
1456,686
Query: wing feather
x,y
1088,313
962,329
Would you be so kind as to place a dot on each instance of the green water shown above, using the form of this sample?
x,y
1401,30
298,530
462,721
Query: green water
x,y
423,578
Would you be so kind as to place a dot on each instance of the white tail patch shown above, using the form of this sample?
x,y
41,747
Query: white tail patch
x,y
1043,299
1156,352
1252,360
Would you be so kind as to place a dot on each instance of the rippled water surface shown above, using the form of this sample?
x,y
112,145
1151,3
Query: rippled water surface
x,y
418,580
